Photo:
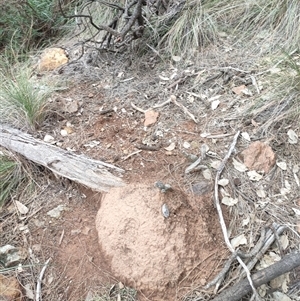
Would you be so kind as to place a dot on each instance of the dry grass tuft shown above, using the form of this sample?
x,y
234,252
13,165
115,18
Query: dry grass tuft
x,y
14,176
22,100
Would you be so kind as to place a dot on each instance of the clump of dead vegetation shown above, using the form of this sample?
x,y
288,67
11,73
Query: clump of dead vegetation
x,y
181,27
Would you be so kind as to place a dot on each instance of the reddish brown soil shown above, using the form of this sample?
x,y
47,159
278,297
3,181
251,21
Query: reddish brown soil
x,y
83,261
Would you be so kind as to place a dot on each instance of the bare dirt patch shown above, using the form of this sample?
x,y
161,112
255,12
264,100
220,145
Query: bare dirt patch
x,y
162,258
155,254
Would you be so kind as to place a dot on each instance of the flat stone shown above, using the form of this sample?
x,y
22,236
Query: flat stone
x,y
10,289
52,58
259,157
12,256
150,117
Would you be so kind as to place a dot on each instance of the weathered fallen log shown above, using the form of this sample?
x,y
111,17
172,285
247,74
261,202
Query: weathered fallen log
x,y
89,172
242,288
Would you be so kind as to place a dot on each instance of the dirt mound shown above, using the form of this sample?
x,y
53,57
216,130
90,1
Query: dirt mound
x,y
151,252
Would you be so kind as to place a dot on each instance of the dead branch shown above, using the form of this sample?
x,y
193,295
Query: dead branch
x,y
220,277
269,240
89,172
220,214
242,288
127,25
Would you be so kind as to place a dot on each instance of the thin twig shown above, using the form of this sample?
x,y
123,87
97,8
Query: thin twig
x,y
194,165
185,110
130,155
273,228
220,277
159,105
149,147
218,136
254,83
38,295
220,214
138,109
269,240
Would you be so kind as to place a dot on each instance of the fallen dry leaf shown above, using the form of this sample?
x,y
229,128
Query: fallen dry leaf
x,y
207,174
22,208
246,136
239,166
164,78
261,193
48,138
64,133
268,259
284,240
170,147
278,296
238,90
176,58
239,240
29,291
186,144
223,182
150,117
281,165
215,164
293,137
229,201
245,221
69,129
254,176
215,104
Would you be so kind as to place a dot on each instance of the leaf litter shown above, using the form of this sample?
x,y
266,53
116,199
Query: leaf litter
x,y
241,198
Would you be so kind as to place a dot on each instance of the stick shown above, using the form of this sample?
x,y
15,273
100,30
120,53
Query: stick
x,y
130,155
270,238
193,166
218,136
220,277
38,295
138,109
263,276
254,83
185,110
219,210
162,104
154,107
